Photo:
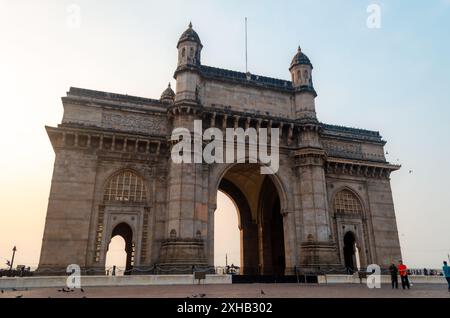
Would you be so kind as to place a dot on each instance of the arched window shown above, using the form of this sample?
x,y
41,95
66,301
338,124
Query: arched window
x,y
125,186
183,52
346,201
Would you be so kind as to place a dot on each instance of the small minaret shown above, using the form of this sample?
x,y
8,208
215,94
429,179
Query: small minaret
x,y
168,96
189,60
301,72
189,48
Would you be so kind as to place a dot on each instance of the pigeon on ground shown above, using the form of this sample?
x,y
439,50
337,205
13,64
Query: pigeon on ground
x,y
3,291
202,295
19,296
14,289
262,292
82,290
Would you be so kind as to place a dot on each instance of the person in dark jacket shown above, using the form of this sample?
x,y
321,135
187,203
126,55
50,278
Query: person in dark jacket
x,y
394,276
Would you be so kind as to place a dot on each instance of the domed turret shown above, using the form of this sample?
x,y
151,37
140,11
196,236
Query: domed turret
x,y
168,95
189,35
189,48
301,69
300,59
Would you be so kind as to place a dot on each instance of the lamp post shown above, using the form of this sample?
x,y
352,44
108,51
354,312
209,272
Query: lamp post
x,y
12,258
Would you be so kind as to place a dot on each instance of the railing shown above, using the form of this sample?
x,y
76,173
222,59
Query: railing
x,y
168,270
384,271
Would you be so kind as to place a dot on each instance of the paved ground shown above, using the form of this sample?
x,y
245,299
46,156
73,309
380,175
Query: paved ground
x,y
239,291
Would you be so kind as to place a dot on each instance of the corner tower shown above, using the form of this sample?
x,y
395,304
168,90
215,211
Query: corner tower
x,y
184,246
301,73
189,59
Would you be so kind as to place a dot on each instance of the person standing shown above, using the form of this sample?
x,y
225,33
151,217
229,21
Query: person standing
x,y
446,272
403,270
394,276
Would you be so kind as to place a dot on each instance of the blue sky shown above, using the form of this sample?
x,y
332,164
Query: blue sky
x,y
395,79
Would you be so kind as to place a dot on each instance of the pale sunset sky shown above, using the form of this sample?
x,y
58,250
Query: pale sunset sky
x,y
394,79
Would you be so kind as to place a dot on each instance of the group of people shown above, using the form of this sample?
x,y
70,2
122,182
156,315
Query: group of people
x,y
403,271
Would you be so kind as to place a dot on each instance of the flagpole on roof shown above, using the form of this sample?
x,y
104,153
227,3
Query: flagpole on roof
x,y
246,58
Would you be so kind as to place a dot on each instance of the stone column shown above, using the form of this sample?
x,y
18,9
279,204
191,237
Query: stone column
x,y
184,245
210,233
318,250
289,250
249,247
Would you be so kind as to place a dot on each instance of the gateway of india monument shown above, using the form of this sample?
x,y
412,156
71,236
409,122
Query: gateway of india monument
x,y
329,206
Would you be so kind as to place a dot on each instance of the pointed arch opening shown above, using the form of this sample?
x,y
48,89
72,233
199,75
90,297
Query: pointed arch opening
x,y
351,252
258,203
121,237
227,224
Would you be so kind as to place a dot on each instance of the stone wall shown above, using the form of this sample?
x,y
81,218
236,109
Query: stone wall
x,y
353,149
69,210
382,216
246,99
153,123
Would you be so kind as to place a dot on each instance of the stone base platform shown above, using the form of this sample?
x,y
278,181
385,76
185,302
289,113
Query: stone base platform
x,y
110,281
149,280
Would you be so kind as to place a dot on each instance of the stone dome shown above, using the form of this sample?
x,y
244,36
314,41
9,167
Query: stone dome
x,y
300,59
189,35
168,94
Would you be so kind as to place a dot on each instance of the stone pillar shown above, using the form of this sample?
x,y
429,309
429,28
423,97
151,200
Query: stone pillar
x,y
289,250
210,233
184,246
318,250
249,248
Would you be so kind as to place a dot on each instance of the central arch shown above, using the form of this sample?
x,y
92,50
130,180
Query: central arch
x,y
258,201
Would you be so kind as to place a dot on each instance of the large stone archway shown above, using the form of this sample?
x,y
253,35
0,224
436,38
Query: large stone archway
x,y
259,199
288,219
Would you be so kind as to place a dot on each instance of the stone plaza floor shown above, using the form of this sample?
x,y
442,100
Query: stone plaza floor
x,y
238,291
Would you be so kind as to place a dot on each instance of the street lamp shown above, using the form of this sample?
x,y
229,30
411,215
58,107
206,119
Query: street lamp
x,y
12,258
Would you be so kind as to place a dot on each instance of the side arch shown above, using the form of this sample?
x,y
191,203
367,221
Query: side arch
x,y
126,231
357,223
